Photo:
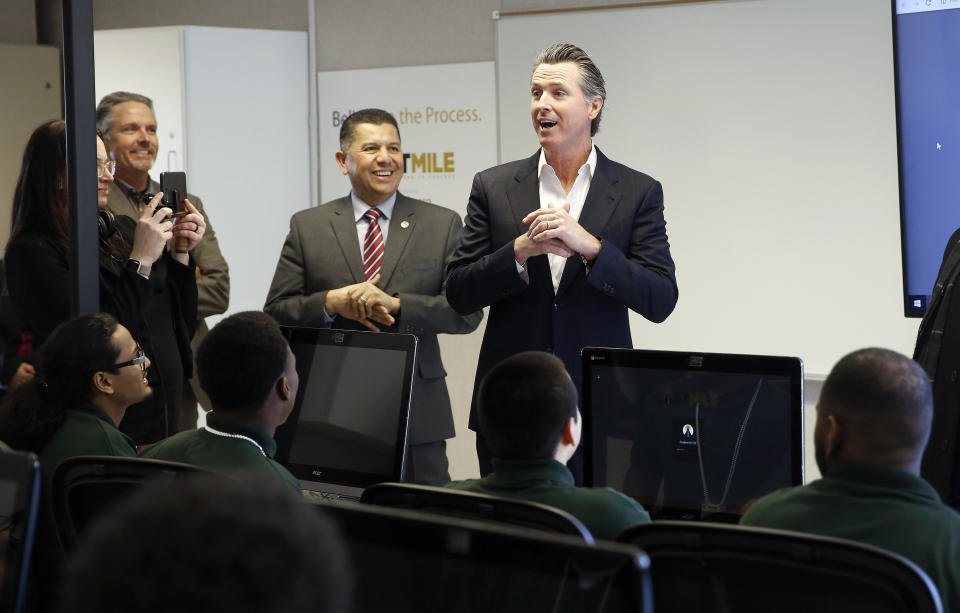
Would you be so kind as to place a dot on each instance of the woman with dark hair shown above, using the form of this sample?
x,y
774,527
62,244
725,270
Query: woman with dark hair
x,y
89,372
149,288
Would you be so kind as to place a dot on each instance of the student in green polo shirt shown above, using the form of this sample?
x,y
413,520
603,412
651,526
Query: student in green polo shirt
x,y
529,417
90,370
247,369
873,421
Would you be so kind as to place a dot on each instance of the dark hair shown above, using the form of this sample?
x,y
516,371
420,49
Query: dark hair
x,y
376,117
591,81
240,360
74,351
40,197
524,402
105,113
885,399
209,543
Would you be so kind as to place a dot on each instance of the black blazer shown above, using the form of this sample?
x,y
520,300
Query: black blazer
x,y
938,352
634,269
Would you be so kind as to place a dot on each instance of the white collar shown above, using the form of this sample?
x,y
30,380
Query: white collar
x,y
360,207
239,436
590,165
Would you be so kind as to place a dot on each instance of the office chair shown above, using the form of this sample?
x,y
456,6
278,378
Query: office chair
x,y
409,561
19,503
700,567
85,487
473,505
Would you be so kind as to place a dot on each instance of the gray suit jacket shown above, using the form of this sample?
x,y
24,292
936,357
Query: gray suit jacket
x,y
322,252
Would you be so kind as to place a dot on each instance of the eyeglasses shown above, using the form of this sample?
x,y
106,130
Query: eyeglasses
x,y
141,359
108,166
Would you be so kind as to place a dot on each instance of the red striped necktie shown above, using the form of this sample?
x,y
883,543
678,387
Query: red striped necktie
x,y
372,244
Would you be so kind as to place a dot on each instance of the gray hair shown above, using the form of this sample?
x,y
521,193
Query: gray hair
x,y
591,81
105,109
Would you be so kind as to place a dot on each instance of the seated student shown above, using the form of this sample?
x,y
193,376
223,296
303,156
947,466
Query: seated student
x,y
247,369
89,372
204,544
873,421
529,416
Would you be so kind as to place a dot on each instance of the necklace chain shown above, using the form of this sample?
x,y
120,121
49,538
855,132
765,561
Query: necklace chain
x,y
240,436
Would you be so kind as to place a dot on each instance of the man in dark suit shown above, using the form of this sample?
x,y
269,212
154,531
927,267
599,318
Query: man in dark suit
x,y
375,260
561,244
938,351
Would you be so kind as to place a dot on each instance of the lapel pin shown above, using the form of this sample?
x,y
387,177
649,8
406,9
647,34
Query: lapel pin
x,y
404,224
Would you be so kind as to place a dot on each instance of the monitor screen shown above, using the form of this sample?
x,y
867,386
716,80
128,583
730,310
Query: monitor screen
x,y
349,421
692,436
927,70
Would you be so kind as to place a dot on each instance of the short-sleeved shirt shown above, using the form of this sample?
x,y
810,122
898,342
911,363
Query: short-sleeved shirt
x,y
226,446
605,511
885,507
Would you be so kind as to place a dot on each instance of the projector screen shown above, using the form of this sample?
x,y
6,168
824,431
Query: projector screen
x,y
771,124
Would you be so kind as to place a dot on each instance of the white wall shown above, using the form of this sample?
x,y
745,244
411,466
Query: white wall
x,y
30,95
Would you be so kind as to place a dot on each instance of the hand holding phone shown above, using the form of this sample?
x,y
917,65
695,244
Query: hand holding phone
x,y
174,187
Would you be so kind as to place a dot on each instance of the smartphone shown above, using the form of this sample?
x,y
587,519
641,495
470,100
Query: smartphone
x,y
174,188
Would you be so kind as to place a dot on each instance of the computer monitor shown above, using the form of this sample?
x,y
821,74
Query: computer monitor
x,y
412,561
348,428
927,78
692,435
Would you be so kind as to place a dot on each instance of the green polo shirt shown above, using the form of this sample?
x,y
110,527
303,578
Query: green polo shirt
x,y
606,512
86,430
885,507
216,449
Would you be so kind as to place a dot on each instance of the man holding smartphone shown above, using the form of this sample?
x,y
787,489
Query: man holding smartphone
x,y
129,129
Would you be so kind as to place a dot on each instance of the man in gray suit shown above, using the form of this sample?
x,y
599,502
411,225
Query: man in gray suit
x,y
375,260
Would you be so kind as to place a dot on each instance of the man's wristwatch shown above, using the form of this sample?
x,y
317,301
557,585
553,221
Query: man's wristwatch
x,y
138,267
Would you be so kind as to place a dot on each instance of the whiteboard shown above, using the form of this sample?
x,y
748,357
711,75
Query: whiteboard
x,y
771,125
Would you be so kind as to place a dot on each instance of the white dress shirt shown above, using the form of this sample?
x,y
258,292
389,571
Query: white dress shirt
x,y
552,194
360,207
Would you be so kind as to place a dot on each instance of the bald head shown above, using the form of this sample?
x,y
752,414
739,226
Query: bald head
x,y
882,405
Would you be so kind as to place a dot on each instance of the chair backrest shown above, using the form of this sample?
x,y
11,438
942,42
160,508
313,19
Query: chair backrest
x,y
414,561
472,505
19,501
84,487
704,567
